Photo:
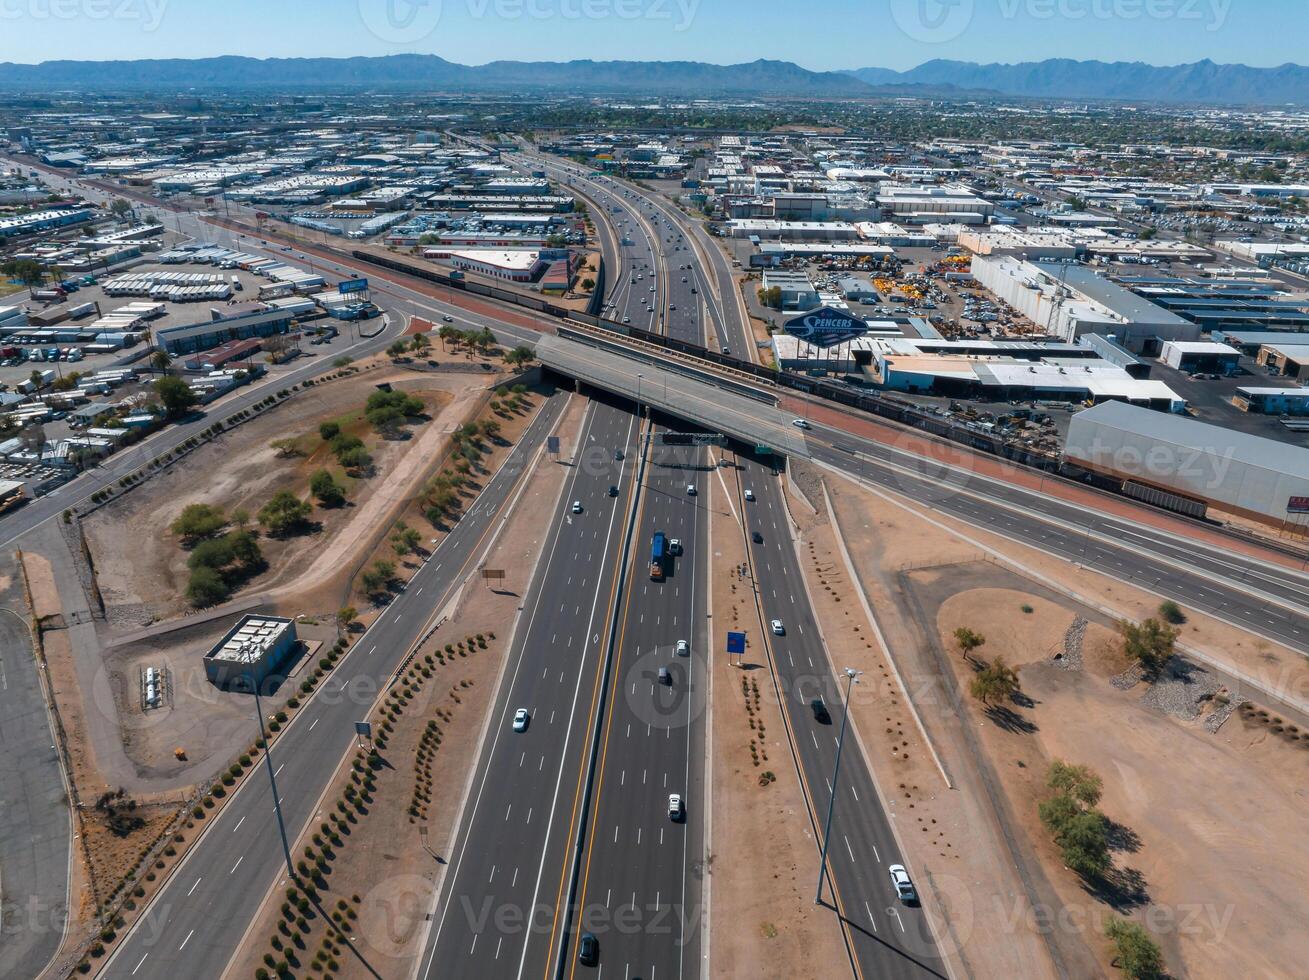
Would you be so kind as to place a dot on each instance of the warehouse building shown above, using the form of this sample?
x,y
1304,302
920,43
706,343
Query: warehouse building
x,y
1241,474
1272,401
256,648
1070,300
1289,360
229,323
798,293
1200,356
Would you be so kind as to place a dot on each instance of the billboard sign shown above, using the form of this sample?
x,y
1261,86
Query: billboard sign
x,y
352,286
1298,505
826,327
735,642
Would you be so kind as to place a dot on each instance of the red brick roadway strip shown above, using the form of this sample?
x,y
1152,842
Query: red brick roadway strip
x,y
986,465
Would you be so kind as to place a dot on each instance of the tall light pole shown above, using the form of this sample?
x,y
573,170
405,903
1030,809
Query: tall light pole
x,y
850,677
272,776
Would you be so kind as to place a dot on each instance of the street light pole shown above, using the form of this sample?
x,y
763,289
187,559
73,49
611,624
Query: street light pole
x,y
850,676
272,777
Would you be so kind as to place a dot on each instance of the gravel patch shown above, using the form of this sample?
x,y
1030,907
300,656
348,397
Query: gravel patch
x,y
1182,690
1128,679
1070,657
1223,712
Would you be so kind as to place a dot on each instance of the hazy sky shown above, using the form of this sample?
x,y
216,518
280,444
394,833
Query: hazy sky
x,y
820,34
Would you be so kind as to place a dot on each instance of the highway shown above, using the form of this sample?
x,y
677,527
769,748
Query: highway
x,y
196,921
640,890
887,938
1266,598
515,838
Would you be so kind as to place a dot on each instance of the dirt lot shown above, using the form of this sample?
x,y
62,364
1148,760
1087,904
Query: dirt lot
x,y
141,567
1187,796
763,855
394,855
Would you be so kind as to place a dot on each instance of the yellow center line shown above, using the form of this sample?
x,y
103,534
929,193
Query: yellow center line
x,y
577,794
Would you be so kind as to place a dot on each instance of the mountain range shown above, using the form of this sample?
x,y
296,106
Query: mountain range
x,y
1200,82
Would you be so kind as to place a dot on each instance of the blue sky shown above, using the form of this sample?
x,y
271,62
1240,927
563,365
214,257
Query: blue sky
x,y
820,34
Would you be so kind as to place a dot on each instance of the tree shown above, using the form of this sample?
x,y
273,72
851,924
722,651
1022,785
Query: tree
x,y
1172,612
491,428
378,578
967,641
206,588
346,615
326,490
160,360
588,284
397,350
996,682
284,512
1150,644
405,539
176,396
27,271
1080,830
355,458
119,207
327,431
1079,783
420,343
1135,953
198,521
771,297
520,356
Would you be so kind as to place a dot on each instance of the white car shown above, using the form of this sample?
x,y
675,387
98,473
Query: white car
x,y
577,506
520,720
683,648
690,489
749,495
675,546
800,423
904,888
674,806
777,627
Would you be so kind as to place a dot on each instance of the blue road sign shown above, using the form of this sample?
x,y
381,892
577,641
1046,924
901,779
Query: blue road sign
x,y
552,445
735,642
348,286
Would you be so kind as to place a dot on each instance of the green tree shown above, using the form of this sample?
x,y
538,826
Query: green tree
x,y
161,360
996,682
397,350
967,641
346,615
176,396
520,356
355,458
198,521
119,207
1079,783
206,588
328,431
326,490
1135,953
405,539
420,343
284,513
1172,613
27,271
378,578
1151,643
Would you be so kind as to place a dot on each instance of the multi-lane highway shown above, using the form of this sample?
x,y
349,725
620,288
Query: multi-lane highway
x,y
640,886
886,938
195,923
513,844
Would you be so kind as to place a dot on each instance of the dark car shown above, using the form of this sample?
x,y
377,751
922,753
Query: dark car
x,y
821,714
613,491
756,537
618,454
588,950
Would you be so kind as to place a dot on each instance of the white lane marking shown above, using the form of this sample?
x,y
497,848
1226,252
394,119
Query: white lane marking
x,y
186,940
193,887
237,865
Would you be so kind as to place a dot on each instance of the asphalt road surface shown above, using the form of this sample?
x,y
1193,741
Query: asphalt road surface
x,y
197,920
887,937
498,904
640,890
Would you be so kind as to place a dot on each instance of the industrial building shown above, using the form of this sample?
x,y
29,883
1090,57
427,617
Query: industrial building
x,y
1272,401
256,648
798,292
1242,474
1200,356
1290,360
226,323
1070,300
